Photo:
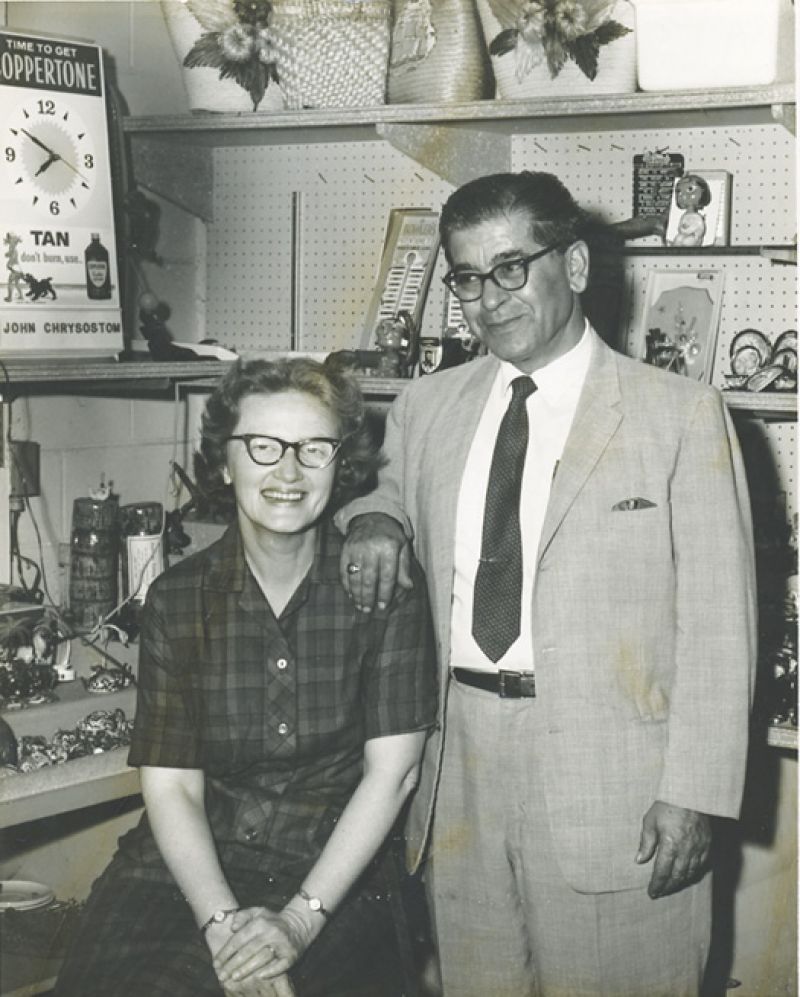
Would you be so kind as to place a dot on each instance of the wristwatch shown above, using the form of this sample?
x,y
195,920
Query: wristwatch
x,y
218,917
314,903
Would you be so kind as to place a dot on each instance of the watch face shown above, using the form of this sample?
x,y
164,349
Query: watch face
x,y
49,155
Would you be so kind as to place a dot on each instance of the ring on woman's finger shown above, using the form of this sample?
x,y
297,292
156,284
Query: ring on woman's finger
x,y
353,569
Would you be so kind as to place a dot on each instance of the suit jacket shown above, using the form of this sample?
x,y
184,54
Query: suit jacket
x,y
643,604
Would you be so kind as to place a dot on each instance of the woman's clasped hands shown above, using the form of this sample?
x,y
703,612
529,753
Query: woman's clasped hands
x,y
252,955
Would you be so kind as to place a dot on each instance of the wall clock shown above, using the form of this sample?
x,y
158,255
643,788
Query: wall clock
x,y
49,155
59,289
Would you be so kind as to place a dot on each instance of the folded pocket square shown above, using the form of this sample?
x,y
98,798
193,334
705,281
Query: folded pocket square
x,y
632,504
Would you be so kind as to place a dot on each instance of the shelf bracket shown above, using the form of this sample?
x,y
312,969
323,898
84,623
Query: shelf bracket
x,y
786,115
455,153
181,173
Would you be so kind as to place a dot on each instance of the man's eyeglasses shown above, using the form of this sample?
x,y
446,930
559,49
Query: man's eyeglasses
x,y
267,450
510,275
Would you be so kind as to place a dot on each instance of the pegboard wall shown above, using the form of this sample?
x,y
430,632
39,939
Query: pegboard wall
x,y
294,248
332,203
597,167
757,294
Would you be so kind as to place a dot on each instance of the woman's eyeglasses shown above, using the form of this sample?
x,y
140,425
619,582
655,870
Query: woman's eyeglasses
x,y
315,453
510,275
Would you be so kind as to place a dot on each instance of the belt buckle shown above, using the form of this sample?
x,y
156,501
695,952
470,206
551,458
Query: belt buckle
x,y
516,685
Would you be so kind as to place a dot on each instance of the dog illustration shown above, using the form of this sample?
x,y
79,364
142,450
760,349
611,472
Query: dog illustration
x,y
39,288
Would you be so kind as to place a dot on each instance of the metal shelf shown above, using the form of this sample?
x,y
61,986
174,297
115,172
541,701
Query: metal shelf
x,y
104,375
79,783
688,101
767,404
455,141
775,254
48,370
91,375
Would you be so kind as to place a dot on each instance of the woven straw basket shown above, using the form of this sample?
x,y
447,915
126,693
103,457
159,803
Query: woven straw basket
x,y
616,65
204,88
332,53
438,53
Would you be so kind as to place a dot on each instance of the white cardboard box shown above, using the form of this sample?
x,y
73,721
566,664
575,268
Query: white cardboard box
x,y
694,44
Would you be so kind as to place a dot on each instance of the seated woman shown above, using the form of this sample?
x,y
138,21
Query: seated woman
x,y
278,730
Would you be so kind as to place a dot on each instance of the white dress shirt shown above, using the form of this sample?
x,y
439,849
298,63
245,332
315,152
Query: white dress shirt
x,y
551,409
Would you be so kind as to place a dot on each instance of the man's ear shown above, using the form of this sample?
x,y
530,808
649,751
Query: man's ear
x,y
577,258
226,476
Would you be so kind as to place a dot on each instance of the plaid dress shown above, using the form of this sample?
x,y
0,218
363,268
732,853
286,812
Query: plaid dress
x,y
276,712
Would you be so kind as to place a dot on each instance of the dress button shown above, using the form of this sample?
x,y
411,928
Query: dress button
x,y
283,728
270,880
282,663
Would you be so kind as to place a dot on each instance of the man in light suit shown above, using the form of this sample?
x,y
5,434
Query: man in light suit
x,y
569,793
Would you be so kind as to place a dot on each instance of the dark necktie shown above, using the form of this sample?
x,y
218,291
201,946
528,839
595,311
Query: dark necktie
x,y
497,599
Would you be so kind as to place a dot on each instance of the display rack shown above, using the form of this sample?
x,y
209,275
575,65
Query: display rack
x,y
72,785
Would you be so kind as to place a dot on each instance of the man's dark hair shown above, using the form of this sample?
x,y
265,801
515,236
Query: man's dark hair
x,y
555,217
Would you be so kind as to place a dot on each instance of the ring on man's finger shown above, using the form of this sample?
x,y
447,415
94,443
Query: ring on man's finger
x,y
353,569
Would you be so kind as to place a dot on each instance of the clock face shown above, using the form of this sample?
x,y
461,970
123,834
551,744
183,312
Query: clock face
x,y
49,156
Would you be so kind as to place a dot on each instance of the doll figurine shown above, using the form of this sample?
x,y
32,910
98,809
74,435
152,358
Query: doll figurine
x,y
691,193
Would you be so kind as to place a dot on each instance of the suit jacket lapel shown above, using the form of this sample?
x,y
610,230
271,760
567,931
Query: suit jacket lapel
x,y
597,417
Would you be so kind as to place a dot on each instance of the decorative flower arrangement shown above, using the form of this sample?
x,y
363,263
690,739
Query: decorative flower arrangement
x,y
236,40
555,31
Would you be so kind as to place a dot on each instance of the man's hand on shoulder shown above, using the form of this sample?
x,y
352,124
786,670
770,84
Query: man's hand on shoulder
x,y
680,840
376,556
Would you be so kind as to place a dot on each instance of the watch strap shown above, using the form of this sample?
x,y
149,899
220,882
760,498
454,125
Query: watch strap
x,y
313,902
218,917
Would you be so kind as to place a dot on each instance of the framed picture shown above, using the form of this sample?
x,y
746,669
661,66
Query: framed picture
x,y
700,209
678,326
404,276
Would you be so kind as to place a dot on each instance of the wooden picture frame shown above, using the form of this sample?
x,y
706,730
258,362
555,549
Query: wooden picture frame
x,y
410,248
714,217
677,329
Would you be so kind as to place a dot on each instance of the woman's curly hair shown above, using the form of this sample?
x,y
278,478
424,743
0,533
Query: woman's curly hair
x,y
358,459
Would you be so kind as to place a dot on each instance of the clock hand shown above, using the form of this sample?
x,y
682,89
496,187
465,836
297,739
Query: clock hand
x,y
35,140
47,164
71,167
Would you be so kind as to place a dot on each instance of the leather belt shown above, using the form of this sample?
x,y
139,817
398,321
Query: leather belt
x,y
507,685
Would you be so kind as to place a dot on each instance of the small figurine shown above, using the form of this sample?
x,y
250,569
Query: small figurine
x,y
396,338
691,193
389,340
